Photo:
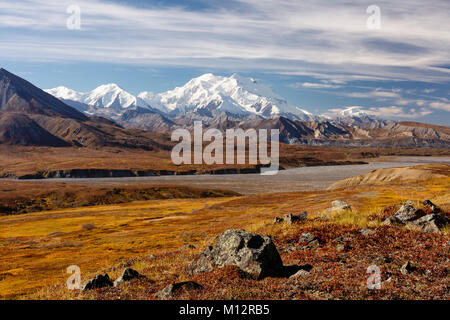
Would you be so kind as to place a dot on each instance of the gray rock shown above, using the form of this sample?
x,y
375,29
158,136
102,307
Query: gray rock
x,y
367,232
407,268
338,205
343,244
291,218
405,214
299,274
431,223
188,247
382,260
176,289
127,275
253,253
307,239
99,281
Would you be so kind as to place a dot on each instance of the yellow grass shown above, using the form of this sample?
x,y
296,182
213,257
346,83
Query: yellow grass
x,y
36,248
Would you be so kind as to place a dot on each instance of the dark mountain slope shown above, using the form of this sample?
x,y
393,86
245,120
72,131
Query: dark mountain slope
x,y
30,116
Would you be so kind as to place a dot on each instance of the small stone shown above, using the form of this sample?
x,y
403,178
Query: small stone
x,y
338,205
291,218
367,232
308,239
382,260
188,247
127,275
299,274
407,268
177,289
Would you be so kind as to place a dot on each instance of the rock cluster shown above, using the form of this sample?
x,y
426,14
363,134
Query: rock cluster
x,y
176,289
102,281
408,215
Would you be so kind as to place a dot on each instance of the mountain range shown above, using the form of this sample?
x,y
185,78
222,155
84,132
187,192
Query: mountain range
x,y
235,101
110,116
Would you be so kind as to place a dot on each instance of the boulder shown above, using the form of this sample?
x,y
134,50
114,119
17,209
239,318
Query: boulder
x,y
291,218
176,289
430,223
252,253
338,205
405,214
99,281
127,275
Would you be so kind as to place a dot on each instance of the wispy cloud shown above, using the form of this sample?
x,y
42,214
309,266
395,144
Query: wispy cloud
x,y
387,112
398,112
315,85
380,94
325,38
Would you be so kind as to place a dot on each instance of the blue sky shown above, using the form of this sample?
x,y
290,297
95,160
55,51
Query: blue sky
x,y
319,55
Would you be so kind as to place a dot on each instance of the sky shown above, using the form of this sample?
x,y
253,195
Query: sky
x,y
391,58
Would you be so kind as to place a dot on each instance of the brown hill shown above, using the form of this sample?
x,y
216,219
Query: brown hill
x,y
395,175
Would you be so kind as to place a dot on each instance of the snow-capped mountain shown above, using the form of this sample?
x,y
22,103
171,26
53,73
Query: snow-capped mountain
x,y
207,95
235,95
107,100
355,116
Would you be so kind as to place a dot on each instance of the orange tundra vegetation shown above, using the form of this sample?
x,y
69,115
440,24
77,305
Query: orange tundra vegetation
x,y
150,236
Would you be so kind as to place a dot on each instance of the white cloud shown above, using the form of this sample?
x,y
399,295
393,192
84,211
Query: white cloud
x,y
317,37
440,106
397,112
374,94
313,85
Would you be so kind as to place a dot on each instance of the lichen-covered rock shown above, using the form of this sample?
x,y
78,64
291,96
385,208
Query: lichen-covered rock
x,y
99,281
253,253
429,223
176,289
308,240
405,214
338,205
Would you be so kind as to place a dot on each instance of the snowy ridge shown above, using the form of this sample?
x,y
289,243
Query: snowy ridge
x,y
108,99
206,94
237,95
